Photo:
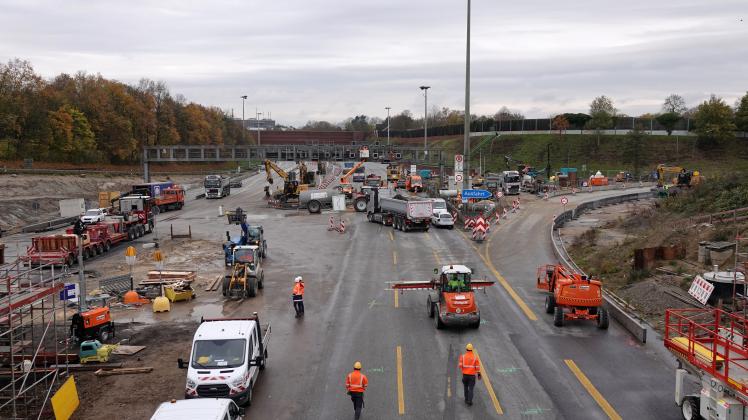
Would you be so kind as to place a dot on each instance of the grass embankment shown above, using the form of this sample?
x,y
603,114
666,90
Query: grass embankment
x,y
613,153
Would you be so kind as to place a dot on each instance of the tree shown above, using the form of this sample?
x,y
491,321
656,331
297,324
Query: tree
x,y
634,141
741,114
714,122
358,123
561,124
320,126
674,104
668,120
402,121
506,114
602,112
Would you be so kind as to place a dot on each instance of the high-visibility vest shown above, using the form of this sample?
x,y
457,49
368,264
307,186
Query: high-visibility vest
x,y
469,364
356,381
298,288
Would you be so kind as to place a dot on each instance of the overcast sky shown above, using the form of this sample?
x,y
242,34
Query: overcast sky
x,y
331,59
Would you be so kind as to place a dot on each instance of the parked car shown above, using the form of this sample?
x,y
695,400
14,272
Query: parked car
x,y
442,220
94,216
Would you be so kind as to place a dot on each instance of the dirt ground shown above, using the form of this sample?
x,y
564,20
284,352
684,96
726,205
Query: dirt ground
x,y
137,396
26,199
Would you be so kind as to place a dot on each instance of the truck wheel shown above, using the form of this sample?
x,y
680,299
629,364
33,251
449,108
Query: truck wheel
x,y
690,408
107,246
437,318
430,307
360,205
252,287
476,324
550,304
602,318
104,334
225,286
264,360
314,206
141,230
130,236
558,316
261,283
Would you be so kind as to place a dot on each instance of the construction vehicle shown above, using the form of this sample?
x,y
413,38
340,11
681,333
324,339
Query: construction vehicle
x,y
393,173
402,213
709,343
413,183
345,182
452,300
95,323
94,351
678,176
571,296
359,175
373,180
227,358
292,187
255,235
509,182
217,186
247,274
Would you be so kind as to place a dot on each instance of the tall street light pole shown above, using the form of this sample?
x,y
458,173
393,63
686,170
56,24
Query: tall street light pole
x,y
257,121
425,90
244,128
388,125
466,142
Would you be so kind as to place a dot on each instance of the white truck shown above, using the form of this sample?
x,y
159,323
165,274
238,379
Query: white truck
x,y
200,409
227,357
401,212
217,186
509,182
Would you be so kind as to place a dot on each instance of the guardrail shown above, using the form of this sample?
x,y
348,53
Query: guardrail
x,y
617,307
723,216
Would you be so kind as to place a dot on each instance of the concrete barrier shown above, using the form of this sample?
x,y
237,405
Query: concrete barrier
x,y
616,307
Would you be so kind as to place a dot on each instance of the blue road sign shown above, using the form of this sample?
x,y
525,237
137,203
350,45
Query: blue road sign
x,y
478,194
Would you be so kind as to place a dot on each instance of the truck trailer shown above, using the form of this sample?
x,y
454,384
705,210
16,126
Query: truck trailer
x,y
401,212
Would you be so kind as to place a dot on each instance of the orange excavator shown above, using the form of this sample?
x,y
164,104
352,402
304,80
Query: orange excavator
x,y
571,296
345,183
452,301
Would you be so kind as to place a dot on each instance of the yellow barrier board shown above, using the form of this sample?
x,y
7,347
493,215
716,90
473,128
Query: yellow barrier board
x,y
65,401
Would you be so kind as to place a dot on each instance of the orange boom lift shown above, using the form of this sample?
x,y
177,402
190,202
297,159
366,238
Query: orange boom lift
x,y
571,296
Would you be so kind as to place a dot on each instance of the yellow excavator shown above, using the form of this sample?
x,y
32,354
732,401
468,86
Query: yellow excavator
x,y
677,175
292,187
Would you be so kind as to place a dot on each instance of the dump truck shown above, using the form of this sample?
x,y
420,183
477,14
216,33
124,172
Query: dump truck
x,y
400,212
413,183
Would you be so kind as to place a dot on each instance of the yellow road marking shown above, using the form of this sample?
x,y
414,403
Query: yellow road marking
x,y
601,401
392,238
449,387
400,396
397,303
394,258
505,284
436,257
487,381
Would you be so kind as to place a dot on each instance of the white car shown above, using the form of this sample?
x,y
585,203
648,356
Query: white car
x,y
200,409
94,216
442,219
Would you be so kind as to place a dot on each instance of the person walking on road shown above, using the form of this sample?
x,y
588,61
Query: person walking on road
x,y
470,366
298,296
356,383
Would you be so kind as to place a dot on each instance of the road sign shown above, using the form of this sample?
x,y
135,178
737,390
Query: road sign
x,y
478,194
564,200
458,179
499,194
364,152
413,169
701,289
70,292
458,163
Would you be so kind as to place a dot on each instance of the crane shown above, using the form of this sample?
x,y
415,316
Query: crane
x,y
345,184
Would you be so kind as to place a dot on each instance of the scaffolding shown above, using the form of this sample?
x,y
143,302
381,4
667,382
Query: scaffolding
x,y
33,339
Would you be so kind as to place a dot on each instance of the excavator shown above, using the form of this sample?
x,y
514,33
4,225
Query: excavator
x,y
683,177
571,296
291,186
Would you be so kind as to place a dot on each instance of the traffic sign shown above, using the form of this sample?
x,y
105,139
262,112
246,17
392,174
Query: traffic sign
x,y
564,200
458,178
478,194
458,163
701,289
499,194
413,169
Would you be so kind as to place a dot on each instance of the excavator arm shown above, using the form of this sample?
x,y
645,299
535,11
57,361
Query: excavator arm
x,y
270,166
344,178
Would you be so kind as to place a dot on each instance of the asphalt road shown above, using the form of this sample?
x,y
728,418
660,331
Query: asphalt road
x,y
533,370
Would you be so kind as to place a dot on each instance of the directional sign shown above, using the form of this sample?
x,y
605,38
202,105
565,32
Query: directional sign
x,y
478,194
458,178
458,163
564,200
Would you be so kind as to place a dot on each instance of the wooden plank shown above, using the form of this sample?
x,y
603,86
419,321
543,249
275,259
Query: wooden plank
x,y
127,350
213,284
123,371
88,366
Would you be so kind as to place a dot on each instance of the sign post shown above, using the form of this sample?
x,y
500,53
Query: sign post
x,y
564,202
459,160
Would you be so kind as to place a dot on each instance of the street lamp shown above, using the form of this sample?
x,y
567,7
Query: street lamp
x,y
388,125
257,121
244,128
425,90
466,141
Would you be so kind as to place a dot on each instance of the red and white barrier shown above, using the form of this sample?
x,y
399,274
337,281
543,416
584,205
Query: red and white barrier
x,y
332,224
480,228
341,229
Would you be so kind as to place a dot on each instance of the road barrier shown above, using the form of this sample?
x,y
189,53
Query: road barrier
x,y
620,310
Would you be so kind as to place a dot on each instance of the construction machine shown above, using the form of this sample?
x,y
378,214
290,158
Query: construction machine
x,y
345,183
95,323
94,351
571,296
246,274
292,187
676,175
451,300
393,173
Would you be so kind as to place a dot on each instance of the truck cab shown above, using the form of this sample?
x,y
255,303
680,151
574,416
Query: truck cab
x,y
226,359
510,182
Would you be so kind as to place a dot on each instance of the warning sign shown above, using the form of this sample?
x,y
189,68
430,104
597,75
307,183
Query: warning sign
x,y
701,289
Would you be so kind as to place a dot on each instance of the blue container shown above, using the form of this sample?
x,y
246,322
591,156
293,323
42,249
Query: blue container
x,y
425,173
566,171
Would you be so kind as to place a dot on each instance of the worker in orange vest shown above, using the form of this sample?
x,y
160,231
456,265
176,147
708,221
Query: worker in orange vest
x,y
297,295
356,383
470,366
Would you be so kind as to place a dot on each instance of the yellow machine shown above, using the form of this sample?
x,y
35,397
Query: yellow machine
x,y
393,173
292,187
241,283
94,351
676,175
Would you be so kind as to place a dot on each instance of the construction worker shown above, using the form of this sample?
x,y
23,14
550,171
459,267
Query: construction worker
x,y
356,383
470,366
298,296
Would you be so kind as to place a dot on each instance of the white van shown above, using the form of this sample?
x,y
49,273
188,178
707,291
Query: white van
x,y
201,409
226,360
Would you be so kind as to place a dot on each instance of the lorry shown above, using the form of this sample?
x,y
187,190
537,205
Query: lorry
x,y
413,183
451,300
227,357
199,409
217,186
171,198
152,189
402,213
509,182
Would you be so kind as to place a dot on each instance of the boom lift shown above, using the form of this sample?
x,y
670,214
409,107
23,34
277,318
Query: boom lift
x,y
452,301
345,183
571,296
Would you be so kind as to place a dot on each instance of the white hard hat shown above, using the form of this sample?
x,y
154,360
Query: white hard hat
x,y
297,279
